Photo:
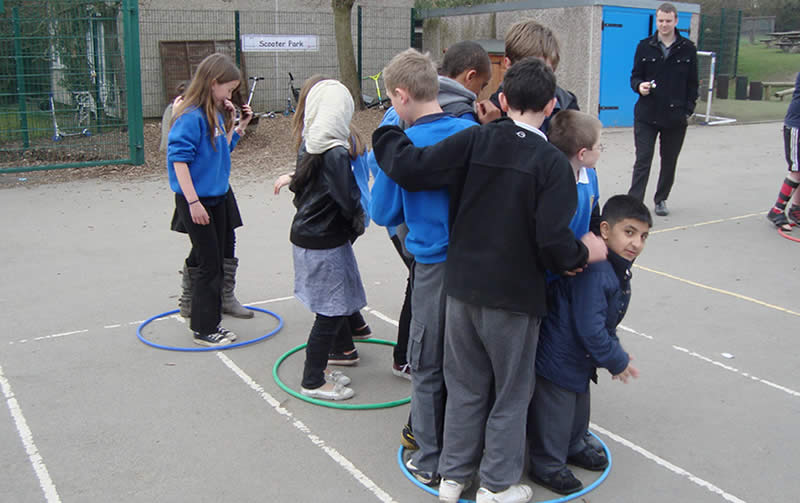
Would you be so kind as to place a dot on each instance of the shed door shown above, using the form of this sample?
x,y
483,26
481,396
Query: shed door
x,y
623,28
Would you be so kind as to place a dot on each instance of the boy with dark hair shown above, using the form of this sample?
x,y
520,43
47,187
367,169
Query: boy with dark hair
x,y
412,85
579,334
515,197
524,39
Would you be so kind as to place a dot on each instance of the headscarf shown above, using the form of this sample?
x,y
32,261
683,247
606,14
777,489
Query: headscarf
x,y
329,110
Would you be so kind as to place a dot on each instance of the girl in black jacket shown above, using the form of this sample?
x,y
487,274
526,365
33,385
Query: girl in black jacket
x,y
329,218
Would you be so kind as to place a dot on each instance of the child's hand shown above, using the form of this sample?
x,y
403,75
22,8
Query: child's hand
x,y
596,246
177,101
199,214
487,112
247,116
630,371
229,106
282,181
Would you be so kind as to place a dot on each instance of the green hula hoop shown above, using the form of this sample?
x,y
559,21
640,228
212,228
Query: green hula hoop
x,y
328,403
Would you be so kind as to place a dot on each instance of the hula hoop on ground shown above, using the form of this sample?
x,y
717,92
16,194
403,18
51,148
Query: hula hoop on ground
x,y
790,238
217,348
327,403
563,499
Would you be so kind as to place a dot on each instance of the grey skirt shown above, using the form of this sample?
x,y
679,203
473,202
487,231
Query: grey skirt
x,y
327,282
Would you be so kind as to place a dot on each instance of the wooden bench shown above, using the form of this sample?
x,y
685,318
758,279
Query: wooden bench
x,y
785,92
768,85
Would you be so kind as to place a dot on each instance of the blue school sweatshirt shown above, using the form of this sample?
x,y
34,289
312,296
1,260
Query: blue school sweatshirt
x,y
426,213
189,142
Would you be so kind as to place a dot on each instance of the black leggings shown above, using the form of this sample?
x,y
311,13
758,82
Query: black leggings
x,y
328,334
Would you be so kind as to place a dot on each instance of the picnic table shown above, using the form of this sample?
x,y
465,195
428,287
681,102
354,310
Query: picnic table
x,y
787,41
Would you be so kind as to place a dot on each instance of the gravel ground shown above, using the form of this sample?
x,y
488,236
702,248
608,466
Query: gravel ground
x,y
266,150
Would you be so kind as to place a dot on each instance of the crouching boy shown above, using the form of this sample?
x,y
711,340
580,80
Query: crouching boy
x,y
578,335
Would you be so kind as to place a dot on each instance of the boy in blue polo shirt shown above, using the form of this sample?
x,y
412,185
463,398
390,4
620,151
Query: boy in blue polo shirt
x,y
412,84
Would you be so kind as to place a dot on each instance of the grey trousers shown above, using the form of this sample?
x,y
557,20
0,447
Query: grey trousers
x,y
487,352
557,424
425,353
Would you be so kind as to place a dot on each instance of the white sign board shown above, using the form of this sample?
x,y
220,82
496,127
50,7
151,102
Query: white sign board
x,y
279,43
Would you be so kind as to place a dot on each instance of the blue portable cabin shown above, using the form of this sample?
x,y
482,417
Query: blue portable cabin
x,y
597,41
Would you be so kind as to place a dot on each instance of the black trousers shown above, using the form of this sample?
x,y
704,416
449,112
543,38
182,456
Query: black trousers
x,y
328,334
644,135
208,248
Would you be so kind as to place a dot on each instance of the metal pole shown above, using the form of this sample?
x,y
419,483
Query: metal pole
x,y
21,94
97,70
133,81
238,38
358,42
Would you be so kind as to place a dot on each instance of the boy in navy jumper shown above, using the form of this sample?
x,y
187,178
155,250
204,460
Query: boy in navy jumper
x,y
412,84
515,196
579,334
791,145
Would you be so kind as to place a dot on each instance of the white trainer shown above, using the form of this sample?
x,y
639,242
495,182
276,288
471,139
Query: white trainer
x,y
517,493
450,490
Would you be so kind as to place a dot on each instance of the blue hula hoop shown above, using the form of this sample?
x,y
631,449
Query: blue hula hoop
x,y
217,348
564,499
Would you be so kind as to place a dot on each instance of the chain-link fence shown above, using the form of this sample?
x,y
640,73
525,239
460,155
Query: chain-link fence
x,y
64,91
174,42
720,33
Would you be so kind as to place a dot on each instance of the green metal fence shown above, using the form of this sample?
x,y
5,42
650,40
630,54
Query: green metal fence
x,y
720,33
70,93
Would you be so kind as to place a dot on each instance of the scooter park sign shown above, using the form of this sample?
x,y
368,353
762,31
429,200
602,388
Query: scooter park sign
x,y
279,43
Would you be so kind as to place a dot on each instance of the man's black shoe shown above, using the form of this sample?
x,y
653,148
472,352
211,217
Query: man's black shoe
x,y
661,209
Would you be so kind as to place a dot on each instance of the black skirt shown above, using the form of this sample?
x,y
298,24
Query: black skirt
x,y
234,217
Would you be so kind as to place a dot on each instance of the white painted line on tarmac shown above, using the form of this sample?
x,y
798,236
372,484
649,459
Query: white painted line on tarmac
x,y
737,371
25,435
666,464
710,222
717,363
640,334
138,322
719,290
381,316
269,301
342,461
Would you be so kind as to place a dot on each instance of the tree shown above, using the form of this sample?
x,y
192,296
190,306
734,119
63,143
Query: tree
x,y
342,13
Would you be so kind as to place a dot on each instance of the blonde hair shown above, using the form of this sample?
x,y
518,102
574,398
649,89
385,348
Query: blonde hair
x,y
571,130
529,38
415,72
215,68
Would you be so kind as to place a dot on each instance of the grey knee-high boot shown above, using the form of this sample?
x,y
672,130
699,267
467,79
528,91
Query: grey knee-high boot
x,y
230,305
185,300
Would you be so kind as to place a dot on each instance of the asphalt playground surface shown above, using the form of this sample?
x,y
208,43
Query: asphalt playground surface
x,y
94,415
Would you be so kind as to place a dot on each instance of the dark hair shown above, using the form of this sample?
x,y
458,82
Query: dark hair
x,y
667,8
307,167
529,85
623,206
463,56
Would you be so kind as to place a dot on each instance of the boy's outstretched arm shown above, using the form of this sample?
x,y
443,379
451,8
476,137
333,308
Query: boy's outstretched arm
x,y
415,169
589,308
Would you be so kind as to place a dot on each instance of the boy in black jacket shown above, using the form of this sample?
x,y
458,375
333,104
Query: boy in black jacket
x,y
579,335
515,196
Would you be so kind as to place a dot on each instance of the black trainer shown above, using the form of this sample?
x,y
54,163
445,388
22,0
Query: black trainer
x,y
211,340
561,482
778,219
589,459
345,359
794,214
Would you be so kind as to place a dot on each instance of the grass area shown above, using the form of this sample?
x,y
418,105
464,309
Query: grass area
x,y
757,62
767,64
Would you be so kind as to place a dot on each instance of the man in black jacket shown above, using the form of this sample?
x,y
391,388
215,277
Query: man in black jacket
x,y
665,77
